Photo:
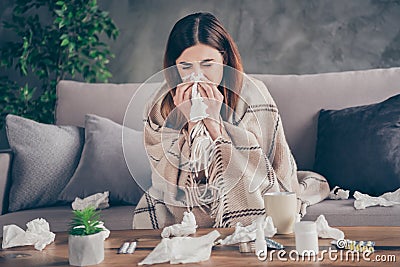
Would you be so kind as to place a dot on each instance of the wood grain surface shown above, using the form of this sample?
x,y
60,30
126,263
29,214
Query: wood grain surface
x,y
56,254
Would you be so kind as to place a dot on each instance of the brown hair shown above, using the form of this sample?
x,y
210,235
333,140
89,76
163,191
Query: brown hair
x,y
203,28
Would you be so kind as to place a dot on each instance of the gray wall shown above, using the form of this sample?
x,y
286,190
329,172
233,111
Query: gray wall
x,y
274,36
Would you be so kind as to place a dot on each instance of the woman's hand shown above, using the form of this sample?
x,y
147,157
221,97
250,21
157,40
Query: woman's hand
x,y
213,98
183,94
182,101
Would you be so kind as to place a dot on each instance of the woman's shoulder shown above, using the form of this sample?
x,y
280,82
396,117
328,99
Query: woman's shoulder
x,y
252,80
255,91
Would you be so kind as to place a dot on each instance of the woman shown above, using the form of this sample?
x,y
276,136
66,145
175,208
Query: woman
x,y
246,151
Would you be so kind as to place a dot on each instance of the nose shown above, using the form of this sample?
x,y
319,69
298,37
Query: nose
x,y
197,69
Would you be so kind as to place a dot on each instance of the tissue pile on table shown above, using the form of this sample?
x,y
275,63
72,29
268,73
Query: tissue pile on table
x,y
186,227
325,231
37,234
182,249
248,233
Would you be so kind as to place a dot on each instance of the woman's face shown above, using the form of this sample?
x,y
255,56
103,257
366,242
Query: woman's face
x,y
201,58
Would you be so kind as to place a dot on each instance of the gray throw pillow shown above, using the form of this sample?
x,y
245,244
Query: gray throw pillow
x,y
358,147
102,166
45,158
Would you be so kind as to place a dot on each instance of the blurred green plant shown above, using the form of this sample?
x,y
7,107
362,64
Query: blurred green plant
x,y
85,222
55,40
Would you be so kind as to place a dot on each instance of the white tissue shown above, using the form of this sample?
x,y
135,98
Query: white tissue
x,y
339,193
37,234
105,232
260,244
186,227
182,249
248,233
202,146
97,201
269,228
298,217
325,231
198,109
388,199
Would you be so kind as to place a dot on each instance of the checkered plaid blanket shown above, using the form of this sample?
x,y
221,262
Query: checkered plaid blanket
x,y
250,158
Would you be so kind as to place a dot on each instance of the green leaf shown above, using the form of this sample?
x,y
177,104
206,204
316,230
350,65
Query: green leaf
x,y
71,47
65,42
61,24
26,43
60,13
85,222
63,36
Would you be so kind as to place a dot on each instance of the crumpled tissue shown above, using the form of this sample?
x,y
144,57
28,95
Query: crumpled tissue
x,y
97,201
388,199
186,227
248,233
105,232
182,249
203,145
325,231
37,234
339,193
198,108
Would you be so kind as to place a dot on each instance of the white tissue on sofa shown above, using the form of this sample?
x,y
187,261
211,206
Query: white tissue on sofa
x,y
339,193
37,234
97,201
388,199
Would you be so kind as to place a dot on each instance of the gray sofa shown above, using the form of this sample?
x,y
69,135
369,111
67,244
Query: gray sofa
x,y
299,99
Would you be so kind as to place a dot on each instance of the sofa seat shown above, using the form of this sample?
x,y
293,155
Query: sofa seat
x,y
343,213
337,212
115,218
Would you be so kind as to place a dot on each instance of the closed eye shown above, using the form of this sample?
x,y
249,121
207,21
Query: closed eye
x,y
185,65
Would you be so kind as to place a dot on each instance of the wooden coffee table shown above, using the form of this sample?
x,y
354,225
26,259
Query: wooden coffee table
x,y
56,254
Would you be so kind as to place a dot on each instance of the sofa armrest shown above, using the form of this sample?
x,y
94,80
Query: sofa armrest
x,y
5,178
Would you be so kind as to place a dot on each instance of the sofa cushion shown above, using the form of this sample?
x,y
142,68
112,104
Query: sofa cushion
x,y
102,166
45,158
358,147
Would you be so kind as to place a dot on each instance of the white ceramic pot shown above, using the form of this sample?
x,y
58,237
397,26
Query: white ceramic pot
x,y
86,250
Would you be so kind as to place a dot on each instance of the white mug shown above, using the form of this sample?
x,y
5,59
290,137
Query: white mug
x,y
282,207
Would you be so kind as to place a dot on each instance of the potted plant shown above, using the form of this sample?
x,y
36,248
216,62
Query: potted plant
x,y
86,239
48,41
